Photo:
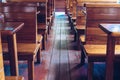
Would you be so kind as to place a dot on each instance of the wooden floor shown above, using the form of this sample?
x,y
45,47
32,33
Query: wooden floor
x,y
61,58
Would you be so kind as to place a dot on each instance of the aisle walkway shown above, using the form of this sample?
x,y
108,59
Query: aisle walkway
x,y
62,50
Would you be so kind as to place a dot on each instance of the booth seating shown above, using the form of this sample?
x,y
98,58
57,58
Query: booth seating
x,y
28,47
96,40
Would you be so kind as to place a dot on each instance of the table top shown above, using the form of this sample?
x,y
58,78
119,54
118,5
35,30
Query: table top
x,y
10,28
113,29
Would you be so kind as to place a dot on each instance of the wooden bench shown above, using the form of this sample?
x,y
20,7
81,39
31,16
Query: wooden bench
x,y
2,74
43,27
50,14
27,43
42,21
69,11
72,15
96,39
80,21
81,11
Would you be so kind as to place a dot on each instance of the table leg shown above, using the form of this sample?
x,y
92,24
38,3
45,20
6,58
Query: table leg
x,y
110,57
12,48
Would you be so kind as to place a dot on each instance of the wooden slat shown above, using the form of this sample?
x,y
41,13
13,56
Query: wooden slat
x,y
28,0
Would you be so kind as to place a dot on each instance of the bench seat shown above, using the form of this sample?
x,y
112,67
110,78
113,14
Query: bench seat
x,y
82,38
23,48
13,78
39,38
26,51
98,52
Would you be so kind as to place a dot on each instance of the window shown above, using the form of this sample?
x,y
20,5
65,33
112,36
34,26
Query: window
x,y
4,1
118,1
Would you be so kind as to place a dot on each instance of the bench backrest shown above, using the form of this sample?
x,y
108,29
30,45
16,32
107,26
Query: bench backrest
x,y
81,8
26,14
81,17
96,14
42,17
96,1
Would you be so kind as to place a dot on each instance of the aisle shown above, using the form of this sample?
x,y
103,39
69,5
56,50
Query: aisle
x,y
62,50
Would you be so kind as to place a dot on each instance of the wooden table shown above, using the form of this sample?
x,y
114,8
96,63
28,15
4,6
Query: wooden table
x,y
9,30
113,32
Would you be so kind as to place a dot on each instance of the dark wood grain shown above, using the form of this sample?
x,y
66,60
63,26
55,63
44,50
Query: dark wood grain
x,y
28,47
9,29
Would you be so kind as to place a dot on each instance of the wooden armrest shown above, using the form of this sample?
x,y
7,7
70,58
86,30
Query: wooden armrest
x,y
82,38
14,78
74,18
39,38
80,27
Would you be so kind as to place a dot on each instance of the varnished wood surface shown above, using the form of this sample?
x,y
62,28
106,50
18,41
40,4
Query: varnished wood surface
x,y
34,4
14,78
97,1
55,59
60,60
17,8
113,29
28,0
102,5
97,15
94,35
27,35
9,28
2,74
27,15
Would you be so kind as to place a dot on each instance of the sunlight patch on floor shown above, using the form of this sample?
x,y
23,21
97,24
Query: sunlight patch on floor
x,y
59,13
